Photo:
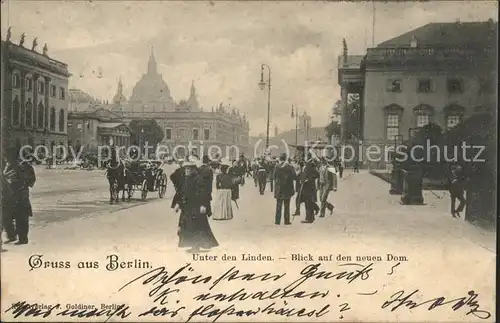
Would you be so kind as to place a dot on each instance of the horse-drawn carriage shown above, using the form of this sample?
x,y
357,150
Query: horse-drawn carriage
x,y
146,176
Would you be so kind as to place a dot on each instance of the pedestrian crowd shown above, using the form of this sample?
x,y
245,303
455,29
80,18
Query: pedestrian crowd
x,y
309,180
194,181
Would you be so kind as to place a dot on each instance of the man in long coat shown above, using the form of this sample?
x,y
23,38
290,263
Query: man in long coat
x,y
262,174
17,178
284,189
326,184
308,193
177,178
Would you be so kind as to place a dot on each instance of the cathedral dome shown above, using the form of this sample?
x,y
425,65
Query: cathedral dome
x,y
151,88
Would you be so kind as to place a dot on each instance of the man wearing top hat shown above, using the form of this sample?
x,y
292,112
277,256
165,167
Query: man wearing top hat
x,y
284,176
308,189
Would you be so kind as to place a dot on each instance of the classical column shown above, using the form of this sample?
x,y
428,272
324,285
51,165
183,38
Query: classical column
x,y
47,102
22,116
361,115
34,114
343,125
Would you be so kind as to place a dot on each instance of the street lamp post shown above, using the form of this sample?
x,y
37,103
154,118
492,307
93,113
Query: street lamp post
x,y
141,142
262,85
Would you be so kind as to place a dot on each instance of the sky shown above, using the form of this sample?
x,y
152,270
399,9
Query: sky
x,y
221,45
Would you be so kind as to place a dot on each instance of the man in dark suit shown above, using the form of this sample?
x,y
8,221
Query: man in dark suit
x,y
308,194
284,189
262,175
17,179
177,178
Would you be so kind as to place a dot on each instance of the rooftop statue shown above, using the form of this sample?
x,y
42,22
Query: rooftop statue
x,y
21,42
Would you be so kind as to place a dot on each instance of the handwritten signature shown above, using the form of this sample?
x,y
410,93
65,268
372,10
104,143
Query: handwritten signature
x,y
402,299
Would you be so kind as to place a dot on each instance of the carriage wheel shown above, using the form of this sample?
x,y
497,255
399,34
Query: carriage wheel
x,y
162,187
144,192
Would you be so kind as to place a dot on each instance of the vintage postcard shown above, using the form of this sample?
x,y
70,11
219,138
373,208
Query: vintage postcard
x,y
253,161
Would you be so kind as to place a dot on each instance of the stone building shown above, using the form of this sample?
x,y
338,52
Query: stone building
x,y
184,122
34,96
440,73
95,127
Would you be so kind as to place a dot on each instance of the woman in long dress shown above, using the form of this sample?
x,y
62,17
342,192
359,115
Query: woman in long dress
x,y
194,229
224,183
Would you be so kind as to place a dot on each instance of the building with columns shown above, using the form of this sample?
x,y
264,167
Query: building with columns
x,y
184,123
439,73
95,127
34,96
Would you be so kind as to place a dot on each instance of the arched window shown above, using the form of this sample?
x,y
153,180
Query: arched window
x,y
16,113
29,114
52,118
40,112
62,115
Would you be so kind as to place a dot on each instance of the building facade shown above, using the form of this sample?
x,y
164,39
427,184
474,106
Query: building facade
x,y
440,73
185,124
34,96
87,130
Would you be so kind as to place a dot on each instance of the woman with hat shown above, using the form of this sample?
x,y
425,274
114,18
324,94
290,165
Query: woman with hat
x,y
235,172
194,229
224,183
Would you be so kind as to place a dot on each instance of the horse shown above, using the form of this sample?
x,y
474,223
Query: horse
x,y
116,173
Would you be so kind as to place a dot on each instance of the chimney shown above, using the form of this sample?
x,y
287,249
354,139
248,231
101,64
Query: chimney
x,y
413,42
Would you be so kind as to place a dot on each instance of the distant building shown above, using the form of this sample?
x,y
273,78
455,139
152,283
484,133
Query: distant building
x,y
184,122
440,73
81,101
34,96
96,127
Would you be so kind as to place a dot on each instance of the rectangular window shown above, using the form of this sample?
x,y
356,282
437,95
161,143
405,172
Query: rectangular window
x,y
452,121
28,84
392,126
69,125
181,133
62,93
53,91
196,134
454,85
394,85
424,86
78,125
206,134
423,120
168,134
16,82
41,87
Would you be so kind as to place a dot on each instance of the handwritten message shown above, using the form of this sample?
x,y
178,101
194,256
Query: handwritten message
x,y
187,293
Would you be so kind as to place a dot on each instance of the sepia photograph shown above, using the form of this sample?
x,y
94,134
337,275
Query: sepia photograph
x,y
248,161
